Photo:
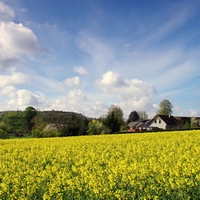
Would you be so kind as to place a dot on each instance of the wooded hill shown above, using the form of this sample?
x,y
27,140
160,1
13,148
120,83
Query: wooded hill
x,y
62,123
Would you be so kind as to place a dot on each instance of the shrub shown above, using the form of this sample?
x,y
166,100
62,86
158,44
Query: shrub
x,y
50,133
3,134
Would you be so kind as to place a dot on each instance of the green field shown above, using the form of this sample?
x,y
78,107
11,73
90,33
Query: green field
x,y
161,165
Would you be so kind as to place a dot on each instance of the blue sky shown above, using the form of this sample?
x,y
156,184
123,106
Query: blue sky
x,y
84,56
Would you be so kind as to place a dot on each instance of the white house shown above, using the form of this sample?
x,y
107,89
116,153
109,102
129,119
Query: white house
x,y
163,122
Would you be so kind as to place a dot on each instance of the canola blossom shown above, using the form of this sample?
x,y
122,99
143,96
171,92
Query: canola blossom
x,y
161,165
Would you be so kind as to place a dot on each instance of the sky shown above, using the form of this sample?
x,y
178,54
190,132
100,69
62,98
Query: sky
x,y
84,56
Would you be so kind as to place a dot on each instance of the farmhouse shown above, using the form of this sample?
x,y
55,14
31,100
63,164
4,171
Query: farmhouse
x,y
138,125
178,122
163,122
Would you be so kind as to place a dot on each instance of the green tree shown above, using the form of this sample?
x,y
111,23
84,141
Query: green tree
x,y
165,107
82,124
95,127
118,113
187,125
3,126
142,115
50,133
72,129
133,116
114,118
13,121
29,114
112,122
3,134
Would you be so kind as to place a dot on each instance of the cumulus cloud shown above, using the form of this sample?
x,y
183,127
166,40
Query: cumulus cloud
x,y
76,95
14,79
193,113
9,91
75,81
28,98
6,13
80,70
24,98
9,61
18,39
111,81
77,101
73,101
144,103
178,111
131,94
13,98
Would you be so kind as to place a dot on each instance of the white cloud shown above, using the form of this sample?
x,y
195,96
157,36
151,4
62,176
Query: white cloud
x,y
9,61
193,113
76,95
74,100
131,94
178,111
26,98
77,101
80,70
113,83
144,103
9,91
20,99
14,79
6,13
18,39
110,81
75,81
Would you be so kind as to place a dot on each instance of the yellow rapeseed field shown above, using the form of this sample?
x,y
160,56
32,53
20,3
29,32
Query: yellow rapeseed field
x,y
162,165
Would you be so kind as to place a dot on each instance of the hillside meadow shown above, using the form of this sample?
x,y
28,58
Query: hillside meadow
x,y
161,165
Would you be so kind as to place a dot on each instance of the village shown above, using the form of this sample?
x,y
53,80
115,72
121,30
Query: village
x,y
164,122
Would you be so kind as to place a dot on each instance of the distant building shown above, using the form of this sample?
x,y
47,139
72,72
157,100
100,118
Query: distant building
x,y
138,125
163,122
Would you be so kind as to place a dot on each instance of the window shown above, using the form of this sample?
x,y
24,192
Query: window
x,y
155,121
159,121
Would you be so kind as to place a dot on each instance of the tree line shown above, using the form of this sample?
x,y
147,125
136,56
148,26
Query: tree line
x,y
32,122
